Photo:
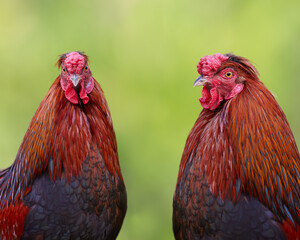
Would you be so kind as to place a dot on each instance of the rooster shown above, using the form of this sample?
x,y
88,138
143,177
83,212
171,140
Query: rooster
x,y
239,172
66,182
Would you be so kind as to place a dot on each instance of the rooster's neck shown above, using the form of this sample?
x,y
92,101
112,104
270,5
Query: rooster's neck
x,y
59,139
247,147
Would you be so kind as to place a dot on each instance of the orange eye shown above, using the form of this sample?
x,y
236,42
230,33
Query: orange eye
x,y
64,70
228,74
85,68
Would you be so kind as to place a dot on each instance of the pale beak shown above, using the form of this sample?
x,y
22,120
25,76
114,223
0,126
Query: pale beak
x,y
200,81
75,79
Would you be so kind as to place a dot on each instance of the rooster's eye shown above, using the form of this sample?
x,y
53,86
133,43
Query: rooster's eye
x,y
85,68
228,74
64,70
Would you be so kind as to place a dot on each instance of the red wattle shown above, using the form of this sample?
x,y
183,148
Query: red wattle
x,y
71,94
216,99
206,97
210,99
86,87
83,95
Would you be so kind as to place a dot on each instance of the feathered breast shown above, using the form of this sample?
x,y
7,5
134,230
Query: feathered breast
x,y
59,138
246,146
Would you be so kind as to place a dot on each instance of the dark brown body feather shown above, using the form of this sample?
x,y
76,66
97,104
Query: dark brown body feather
x,y
240,166
90,206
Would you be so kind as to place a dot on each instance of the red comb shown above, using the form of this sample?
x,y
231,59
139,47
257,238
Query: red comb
x,y
74,62
209,64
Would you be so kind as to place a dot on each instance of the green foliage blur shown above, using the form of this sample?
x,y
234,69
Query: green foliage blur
x,y
144,54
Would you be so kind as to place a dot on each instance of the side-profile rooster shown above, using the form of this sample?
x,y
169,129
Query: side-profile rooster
x,y
239,173
66,182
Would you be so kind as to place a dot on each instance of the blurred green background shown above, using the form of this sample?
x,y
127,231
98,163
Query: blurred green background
x,y
144,54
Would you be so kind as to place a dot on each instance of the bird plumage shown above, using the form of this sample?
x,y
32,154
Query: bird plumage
x,y
67,171
240,152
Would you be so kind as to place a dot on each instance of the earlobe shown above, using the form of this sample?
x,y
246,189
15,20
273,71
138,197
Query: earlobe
x,y
63,84
236,90
89,85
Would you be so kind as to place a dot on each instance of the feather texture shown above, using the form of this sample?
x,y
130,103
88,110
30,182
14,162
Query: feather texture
x,y
64,144
244,148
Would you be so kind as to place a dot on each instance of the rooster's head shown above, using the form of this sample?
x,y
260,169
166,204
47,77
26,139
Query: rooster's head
x,y
223,77
76,78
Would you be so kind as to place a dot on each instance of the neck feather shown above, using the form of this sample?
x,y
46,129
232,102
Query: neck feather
x,y
246,147
59,139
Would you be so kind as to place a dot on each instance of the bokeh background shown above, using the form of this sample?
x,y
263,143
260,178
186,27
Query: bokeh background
x,y
144,54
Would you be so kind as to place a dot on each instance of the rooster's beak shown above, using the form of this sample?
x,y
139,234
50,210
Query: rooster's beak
x,y
75,79
200,81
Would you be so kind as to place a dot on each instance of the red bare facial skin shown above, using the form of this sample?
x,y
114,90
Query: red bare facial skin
x,y
220,86
75,66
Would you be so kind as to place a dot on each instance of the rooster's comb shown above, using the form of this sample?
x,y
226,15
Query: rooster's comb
x,y
63,57
209,64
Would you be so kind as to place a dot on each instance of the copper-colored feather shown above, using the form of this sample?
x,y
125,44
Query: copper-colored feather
x,y
65,144
244,148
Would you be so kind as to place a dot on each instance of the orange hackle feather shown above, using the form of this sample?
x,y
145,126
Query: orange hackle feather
x,y
58,139
246,146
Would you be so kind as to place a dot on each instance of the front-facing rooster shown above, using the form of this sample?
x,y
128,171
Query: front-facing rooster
x,y
239,173
66,182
